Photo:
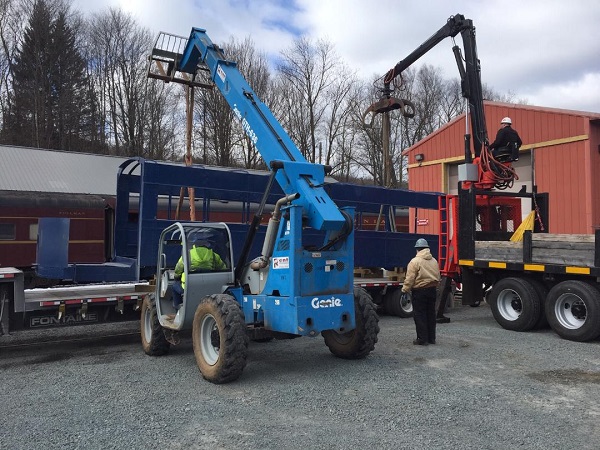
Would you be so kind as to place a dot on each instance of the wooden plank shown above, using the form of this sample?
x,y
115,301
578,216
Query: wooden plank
x,y
563,237
568,258
368,272
564,245
499,251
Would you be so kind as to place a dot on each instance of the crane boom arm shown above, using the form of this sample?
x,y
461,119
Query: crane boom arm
x,y
468,67
297,175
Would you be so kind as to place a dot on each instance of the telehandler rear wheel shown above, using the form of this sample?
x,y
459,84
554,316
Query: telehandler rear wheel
x,y
219,338
358,343
154,342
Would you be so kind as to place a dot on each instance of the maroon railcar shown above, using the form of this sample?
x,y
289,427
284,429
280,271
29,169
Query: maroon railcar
x,y
19,213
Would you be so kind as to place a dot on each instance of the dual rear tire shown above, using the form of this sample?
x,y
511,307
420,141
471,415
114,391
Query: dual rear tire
x,y
394,304
571,308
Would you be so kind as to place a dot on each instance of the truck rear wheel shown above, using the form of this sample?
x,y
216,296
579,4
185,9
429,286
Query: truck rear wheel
x,y
219,338
395,306
573,310
358,343
515,304
542,292
154,342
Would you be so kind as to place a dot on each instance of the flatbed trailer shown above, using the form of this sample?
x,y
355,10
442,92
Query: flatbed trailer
x,y
542,279
147,194
386,294
65,305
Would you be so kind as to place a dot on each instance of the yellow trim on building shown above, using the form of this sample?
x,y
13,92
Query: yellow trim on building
x,y
454,159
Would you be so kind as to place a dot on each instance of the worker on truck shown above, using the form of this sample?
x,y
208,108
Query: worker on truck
x,y
422,278
507,143
202,257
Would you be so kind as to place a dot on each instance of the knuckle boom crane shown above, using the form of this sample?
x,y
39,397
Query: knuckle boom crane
x,y
483,171
492,172
484,241
290,290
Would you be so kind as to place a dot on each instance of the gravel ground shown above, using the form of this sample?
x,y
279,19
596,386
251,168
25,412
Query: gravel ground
x,y
480,387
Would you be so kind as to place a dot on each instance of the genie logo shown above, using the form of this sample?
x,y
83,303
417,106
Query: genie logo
x,y
325,303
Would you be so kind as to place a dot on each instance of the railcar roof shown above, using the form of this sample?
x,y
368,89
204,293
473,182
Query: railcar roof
x,y
39,170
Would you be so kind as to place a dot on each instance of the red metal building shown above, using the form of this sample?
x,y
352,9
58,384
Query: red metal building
x,y
560,154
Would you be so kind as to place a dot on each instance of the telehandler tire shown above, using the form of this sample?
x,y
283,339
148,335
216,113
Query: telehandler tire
x,y
154,342
358,343
219,338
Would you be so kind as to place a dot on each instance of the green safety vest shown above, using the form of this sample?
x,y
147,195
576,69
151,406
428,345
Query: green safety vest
x,y
200,258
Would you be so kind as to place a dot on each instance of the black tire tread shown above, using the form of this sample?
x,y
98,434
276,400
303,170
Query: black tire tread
x,y
364,337
591,328
529,299
233,340
393,304
158,345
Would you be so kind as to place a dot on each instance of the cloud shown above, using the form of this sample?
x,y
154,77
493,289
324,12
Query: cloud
x,y
583,92
532,49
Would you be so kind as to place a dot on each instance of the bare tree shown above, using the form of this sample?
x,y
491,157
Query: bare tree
x,y
10,30
220,135
310,68
118,50
339,96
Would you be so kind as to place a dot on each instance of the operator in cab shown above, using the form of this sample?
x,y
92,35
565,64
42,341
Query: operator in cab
x,y
422,279
202,257
506,146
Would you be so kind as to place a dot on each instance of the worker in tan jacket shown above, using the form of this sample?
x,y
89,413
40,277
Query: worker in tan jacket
x,y
422,279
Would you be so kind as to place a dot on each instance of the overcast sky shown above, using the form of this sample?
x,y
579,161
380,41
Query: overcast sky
x,y
544,51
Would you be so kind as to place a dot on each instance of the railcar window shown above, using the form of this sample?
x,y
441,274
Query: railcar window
x,y
7,232
33,232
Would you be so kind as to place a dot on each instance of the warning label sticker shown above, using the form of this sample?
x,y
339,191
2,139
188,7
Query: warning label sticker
x,y
282,262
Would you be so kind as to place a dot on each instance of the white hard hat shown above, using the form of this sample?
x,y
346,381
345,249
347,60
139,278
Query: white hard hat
x,y
506,120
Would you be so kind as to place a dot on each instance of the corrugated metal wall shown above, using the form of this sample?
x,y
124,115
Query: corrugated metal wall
x,y
565,146
594,153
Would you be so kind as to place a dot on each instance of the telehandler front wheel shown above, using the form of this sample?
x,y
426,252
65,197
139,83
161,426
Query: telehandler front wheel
x,y
154,342
358,343
219,338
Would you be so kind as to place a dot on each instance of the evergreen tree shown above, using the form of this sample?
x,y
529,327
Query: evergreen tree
x,y
50,97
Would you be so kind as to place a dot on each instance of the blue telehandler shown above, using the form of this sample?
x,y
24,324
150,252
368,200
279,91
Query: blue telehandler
x,y
294,287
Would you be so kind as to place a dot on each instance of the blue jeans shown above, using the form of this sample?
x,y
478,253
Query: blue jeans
x,y
177,290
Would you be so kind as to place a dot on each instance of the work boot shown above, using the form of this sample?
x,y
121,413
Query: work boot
x,y
171,336
420,342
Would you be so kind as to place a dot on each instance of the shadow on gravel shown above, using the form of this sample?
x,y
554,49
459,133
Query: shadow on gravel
x,y
568,376
105,348
44,359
